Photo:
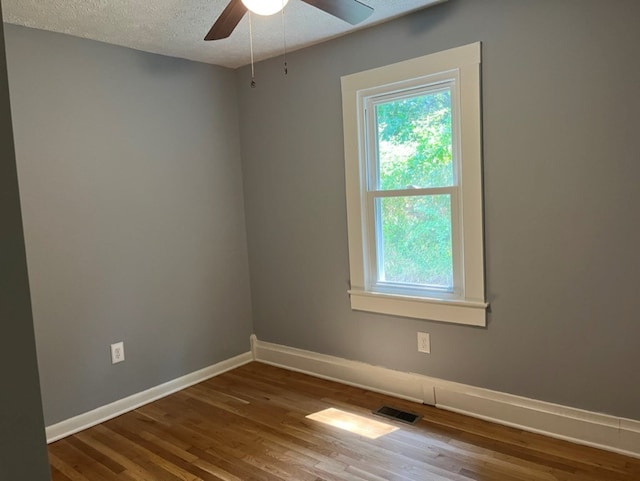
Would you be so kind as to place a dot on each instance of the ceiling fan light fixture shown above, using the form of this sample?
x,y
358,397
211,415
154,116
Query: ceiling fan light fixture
x,y
265,7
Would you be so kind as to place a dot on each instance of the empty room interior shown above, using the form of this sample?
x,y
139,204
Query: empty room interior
x,y
229,237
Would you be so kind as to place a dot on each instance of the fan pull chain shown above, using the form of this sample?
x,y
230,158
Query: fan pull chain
x,y
284,40
253,74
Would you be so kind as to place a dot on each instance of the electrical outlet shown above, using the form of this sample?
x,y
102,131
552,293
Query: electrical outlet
x,y
117,352
424,342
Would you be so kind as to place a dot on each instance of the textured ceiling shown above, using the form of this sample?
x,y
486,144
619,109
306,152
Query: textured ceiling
x,y
177,27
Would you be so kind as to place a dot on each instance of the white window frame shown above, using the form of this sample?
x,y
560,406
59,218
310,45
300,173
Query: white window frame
x,y
466,304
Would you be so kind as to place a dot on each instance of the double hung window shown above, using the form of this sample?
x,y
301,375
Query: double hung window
x,y
414,193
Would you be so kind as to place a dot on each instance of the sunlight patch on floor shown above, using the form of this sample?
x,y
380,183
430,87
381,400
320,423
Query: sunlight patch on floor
x,y
353,423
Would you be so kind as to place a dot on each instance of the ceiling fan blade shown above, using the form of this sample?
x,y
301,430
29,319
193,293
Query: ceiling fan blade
x,y
351,11
227,21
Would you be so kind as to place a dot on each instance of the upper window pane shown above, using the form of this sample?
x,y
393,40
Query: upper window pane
x,y
414,144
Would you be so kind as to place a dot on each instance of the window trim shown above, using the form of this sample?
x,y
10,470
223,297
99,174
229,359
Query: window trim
x,y
464,63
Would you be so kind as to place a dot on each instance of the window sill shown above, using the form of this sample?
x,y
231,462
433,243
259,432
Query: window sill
x,y
470,313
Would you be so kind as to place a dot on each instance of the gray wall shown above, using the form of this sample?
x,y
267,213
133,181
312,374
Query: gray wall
x,y
131,188
23,456
561,117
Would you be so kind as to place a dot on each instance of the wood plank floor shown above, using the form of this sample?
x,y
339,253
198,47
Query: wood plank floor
x,y
250,424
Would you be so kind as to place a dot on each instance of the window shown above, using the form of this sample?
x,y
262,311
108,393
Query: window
x,y
414,187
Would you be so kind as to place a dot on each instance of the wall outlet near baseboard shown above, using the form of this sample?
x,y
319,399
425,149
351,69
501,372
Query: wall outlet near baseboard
x,y
117,352
424,342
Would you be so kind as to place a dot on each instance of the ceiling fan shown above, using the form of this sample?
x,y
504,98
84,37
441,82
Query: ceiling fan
x,y
351,11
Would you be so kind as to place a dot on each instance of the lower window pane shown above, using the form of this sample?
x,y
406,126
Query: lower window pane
x,y
414,241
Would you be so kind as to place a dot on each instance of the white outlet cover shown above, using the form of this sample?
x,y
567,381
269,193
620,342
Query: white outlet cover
x,y
424,342
117,352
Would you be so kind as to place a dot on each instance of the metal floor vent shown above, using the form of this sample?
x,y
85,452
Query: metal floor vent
x,y
392,413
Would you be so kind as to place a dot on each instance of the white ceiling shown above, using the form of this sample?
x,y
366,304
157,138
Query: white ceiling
x,y
177,27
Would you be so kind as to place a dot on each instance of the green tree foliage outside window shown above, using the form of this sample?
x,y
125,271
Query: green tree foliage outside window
x,y
414,151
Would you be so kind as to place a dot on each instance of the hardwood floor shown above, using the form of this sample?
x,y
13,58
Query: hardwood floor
x,y
250,424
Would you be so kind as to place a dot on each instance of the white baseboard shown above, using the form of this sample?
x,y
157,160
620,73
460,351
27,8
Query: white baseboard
x,y
583,427
104,413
